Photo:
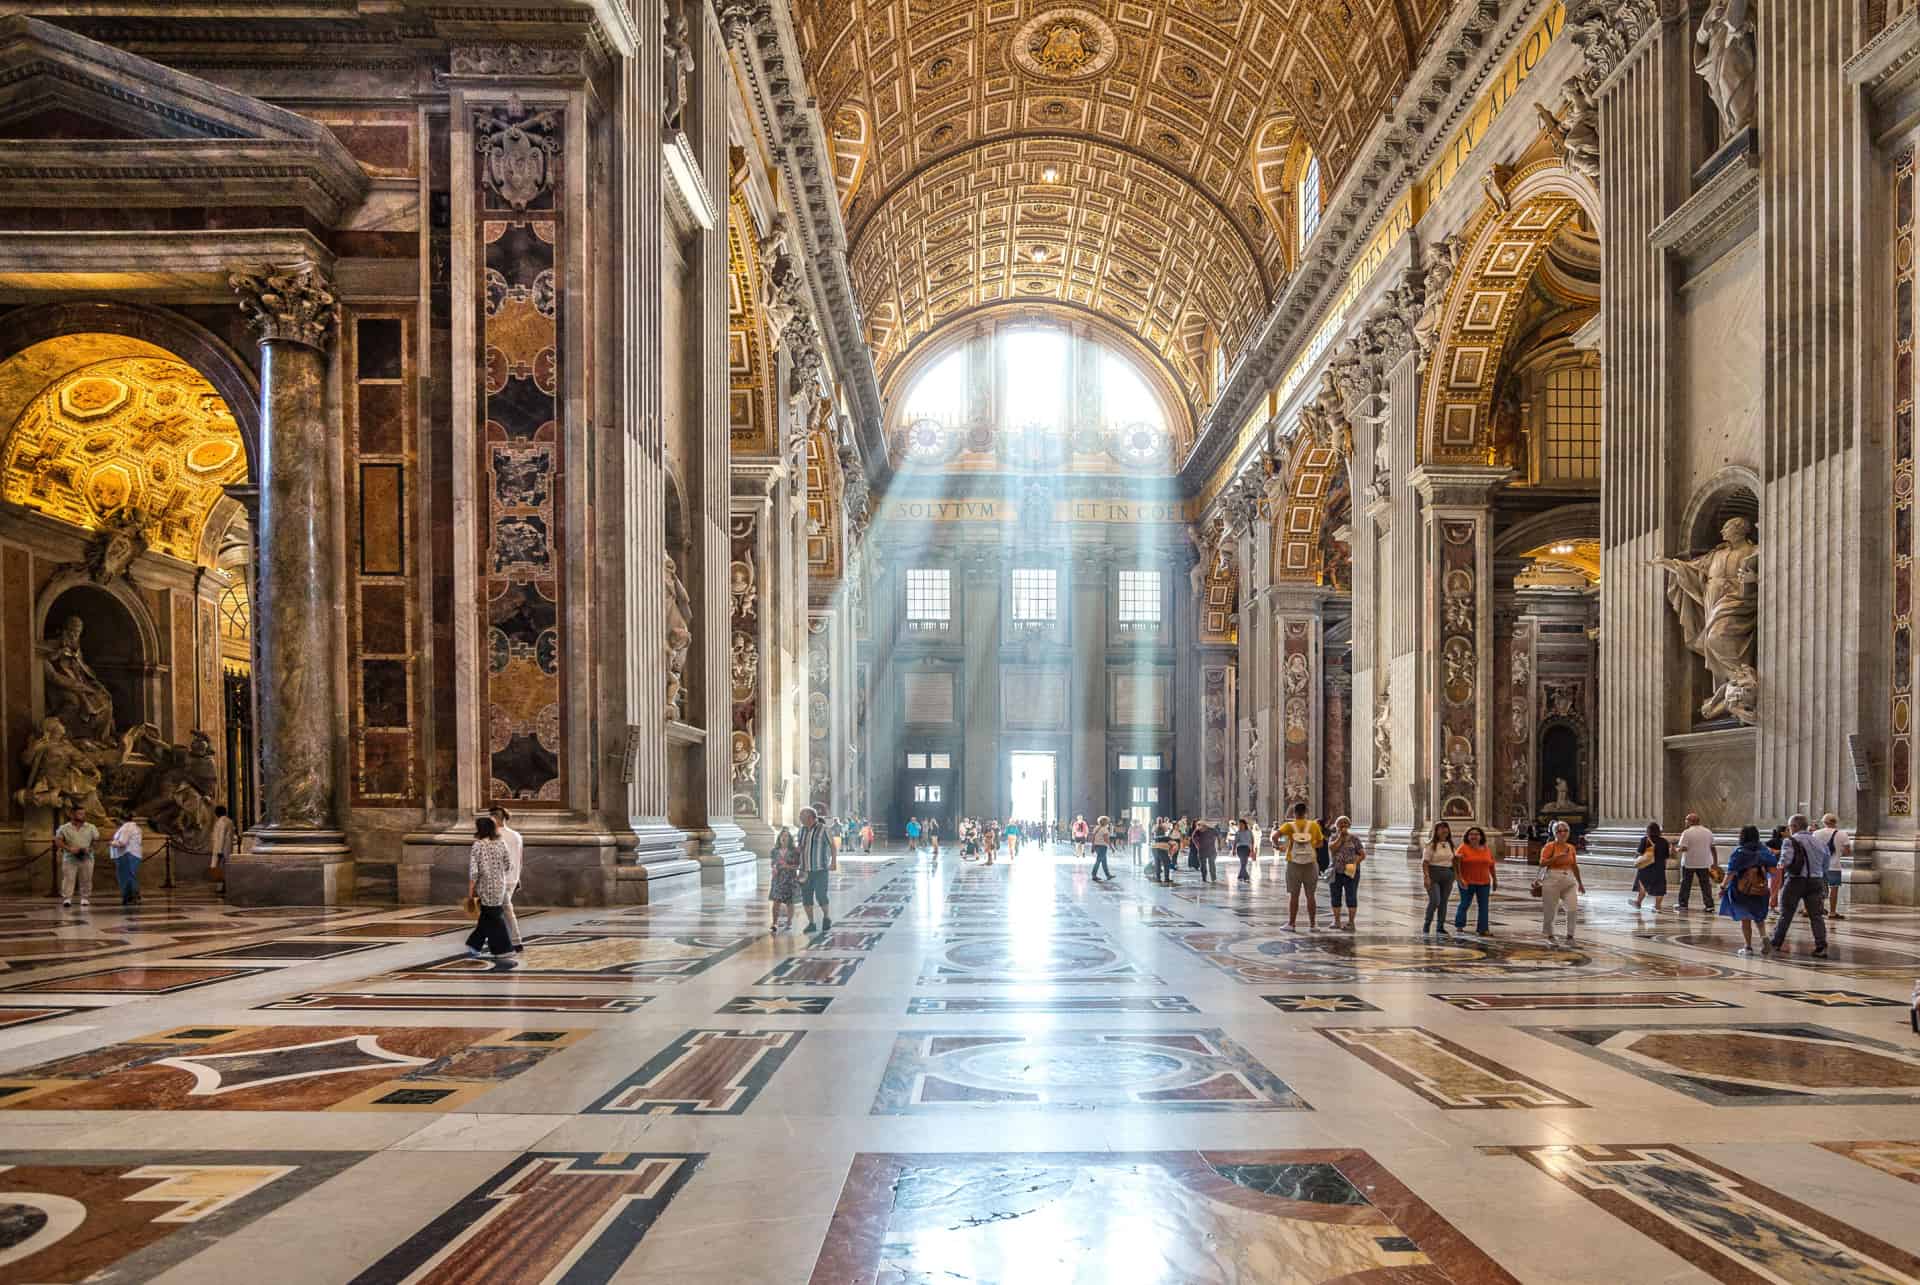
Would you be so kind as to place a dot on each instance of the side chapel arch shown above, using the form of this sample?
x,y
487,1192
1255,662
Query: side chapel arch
x,y
1503,248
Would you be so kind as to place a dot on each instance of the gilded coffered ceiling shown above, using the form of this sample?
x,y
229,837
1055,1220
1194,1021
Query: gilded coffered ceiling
x,y
1181,118
145,433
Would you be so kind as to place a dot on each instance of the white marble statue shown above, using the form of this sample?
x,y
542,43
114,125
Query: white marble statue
x,y
679,639
1717,597
1727,62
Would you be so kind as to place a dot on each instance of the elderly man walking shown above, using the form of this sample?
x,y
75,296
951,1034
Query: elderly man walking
x,y
1803,862
817,859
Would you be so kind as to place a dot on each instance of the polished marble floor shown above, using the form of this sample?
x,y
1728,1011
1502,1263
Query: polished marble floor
x,y
981,1075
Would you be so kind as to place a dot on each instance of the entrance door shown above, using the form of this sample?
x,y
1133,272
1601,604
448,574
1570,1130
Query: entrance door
x,y
1034,794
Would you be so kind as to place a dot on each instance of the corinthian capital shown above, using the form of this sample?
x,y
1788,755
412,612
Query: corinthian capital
x,y
294,303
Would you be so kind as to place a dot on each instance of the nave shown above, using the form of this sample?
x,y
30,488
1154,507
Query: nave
x,y
1005,1074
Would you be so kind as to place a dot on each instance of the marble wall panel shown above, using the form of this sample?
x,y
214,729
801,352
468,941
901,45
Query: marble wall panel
x,y
522,276
16,672
1457,685
1900,677
1723,377
382,472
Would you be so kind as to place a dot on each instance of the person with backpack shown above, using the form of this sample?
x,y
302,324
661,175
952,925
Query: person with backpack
x,y
1804,886
1743,898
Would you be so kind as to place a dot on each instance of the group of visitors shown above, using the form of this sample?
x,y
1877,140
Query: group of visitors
x,y
1798,869
77,837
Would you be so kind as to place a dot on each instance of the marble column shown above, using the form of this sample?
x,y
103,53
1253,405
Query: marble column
x,y
1084,789
297,854
1298,622
982,571
1398,714
751,650
1457,606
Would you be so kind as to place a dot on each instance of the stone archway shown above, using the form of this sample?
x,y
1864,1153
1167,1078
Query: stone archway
x,y
1498,256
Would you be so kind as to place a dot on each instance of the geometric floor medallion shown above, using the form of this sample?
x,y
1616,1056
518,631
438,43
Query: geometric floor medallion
x,y
1729,1227
1168,1070
1753,1065
1008,960
285,1068
73,1215
1144,1216
1264,959
570,1217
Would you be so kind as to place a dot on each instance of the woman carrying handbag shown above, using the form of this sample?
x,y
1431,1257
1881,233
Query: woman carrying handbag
x,y
1558,881
1650,870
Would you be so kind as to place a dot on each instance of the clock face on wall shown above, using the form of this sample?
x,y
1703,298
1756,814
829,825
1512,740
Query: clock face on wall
x,y
925,440
1141,444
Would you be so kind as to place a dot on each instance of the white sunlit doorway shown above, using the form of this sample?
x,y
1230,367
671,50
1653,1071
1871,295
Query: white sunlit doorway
x,y
1035,794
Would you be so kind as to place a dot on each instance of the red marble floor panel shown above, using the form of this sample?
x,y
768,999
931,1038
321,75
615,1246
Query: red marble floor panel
x,y
131,1215
1319,1215
284,1068
495,1002
546,1216
136,979
707,1072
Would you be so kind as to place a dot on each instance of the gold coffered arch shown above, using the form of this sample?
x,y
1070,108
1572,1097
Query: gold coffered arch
x,y
750,410
1162,101
1118,234
1504,246
1311,475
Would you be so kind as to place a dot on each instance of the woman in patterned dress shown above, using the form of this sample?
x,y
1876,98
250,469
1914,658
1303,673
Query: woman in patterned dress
x,y
786,879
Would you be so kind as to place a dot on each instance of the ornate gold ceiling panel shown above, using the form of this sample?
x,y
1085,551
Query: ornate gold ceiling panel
x,y
1167,96
1115,233
1312,470
145,433
749,366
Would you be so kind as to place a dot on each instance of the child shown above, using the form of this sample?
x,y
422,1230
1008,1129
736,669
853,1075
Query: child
x,y
786,879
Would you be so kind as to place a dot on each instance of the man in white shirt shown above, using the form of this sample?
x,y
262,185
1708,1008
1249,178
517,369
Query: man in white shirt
x,y
125,847
516,851
1839,846
75,841
1697,858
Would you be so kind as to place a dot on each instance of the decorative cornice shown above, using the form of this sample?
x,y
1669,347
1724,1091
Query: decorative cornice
x,y
1716,217
791,124
1457,487
1400,146
511,60
1887,71
292,303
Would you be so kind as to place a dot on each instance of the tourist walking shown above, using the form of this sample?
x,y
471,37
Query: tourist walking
x,y
75,841
1650,867
1243,840
1079,837
1206,850
1698,859
786,880
866,835
487,867
125,849
1478,879
516,859
1302,836
1839,846
1744,898
1804,885
817,860
913,834
1346,854
1137,840
1559,883
931,831
1166,846
220,840
1436,871
990,840
1102,840
1014,833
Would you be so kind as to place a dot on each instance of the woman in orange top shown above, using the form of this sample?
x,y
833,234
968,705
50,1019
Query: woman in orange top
x,y
1559,877
1473,869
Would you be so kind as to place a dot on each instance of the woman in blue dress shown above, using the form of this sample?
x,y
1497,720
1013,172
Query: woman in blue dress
x,y
1743,899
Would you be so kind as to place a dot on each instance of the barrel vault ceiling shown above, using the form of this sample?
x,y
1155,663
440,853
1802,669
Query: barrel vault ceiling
x,y
1133,159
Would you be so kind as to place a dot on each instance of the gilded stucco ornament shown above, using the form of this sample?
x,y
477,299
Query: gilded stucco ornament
x,y
294,303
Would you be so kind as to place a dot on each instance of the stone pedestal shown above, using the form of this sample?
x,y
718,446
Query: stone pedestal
x,y
296,855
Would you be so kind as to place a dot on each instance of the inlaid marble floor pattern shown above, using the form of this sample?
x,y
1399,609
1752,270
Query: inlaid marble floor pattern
x,y
981,1076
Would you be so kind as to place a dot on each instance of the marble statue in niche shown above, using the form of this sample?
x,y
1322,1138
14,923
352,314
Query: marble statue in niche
x,y
1717,598
60,773
75,694
677,54
679,639
1383,733
1727,62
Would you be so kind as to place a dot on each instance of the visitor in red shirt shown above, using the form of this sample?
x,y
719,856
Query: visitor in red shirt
x,y
1474,868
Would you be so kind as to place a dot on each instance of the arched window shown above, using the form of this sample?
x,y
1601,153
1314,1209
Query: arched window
x,y
940,394
1309,200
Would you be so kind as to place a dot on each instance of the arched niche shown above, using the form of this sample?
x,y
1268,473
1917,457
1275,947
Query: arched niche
x,y
119,641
